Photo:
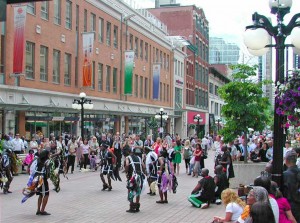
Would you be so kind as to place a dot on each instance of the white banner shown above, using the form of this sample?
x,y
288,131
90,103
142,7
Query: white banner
x,y
88,44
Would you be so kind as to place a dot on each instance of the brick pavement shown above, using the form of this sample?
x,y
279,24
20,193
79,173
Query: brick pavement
x,y
81,200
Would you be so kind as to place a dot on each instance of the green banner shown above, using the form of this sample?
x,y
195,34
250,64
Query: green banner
x,y
129,61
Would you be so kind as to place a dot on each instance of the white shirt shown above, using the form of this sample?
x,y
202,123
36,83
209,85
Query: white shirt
x,y
275,208
149,160
235,209
18,144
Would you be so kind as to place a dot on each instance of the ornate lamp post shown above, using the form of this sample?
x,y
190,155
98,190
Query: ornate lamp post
x,y
82,104
162,115
198,119
256,38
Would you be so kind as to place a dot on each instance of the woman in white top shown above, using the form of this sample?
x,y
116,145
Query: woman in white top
x,y
85,151
234,206
33,145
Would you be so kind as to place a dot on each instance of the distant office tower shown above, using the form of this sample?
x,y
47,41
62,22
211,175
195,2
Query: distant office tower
x,y
221,52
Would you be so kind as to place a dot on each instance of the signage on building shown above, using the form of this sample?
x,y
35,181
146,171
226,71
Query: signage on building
x,y
178,81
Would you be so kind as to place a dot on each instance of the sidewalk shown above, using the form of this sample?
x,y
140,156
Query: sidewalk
x,y
81,200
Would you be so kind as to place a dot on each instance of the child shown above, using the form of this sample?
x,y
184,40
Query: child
x,y
28,159
93,161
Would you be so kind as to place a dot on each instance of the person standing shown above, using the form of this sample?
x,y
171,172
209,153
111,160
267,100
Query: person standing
x,y
151,169
135,180
177,156
6,168
42,169
107,161
291,179
18,145
72,147
85,151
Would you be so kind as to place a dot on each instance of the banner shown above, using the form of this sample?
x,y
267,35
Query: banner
x,y
129,60
19,40
156,78
87,45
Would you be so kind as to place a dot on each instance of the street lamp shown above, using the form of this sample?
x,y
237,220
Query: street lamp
x,y
162,115
257,38
82,104
198,119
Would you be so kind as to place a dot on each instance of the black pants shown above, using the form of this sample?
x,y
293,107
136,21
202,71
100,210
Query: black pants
x,y
84,161
71,162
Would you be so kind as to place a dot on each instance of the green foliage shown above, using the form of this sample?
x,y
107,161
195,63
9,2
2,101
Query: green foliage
x,y
245,105
152,123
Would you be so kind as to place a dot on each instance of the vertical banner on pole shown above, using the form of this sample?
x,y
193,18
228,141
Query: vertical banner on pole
x,y
156,78
87,45
129,60
19,40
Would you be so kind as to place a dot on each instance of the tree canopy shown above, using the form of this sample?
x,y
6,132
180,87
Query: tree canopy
x,y
245,107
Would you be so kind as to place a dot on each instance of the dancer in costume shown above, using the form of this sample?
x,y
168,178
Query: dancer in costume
x,y
135,180
166,178
151,168
106,164
7,170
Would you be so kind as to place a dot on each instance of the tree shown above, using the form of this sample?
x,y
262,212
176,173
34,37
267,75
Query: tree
x,y
245,107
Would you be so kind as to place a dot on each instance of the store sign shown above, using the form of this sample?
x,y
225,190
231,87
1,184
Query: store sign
x,y
58,118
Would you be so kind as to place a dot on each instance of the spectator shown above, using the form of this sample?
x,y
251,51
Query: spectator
x,y
269,154
28,159
204,192
291,179
33,144
234,206
261,212
187,153
177,156
221,182
18,145
266,183
226,162
255,194
72,147
285,213
197,154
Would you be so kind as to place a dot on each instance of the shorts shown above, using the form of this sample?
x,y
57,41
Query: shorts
x,y
44,189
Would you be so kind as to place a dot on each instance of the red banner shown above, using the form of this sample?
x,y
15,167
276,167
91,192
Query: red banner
x,y
87,45
19,26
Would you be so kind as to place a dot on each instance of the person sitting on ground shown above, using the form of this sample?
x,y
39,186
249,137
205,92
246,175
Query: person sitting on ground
x,y
221,182
266,183
256,194
261,212
234,206
204,192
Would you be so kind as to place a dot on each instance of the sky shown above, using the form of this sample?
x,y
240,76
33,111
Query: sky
x,y
228,19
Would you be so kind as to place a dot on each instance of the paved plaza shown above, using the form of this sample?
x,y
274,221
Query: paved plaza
x,y
81,200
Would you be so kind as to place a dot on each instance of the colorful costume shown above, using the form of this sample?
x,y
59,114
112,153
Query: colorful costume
x,y
7,175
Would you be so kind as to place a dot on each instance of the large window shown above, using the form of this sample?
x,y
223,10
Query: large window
x,y
43,63
136,85
141,86
93,22
146,88
29,60
31,8
211,88
85,21
115,79
216,90
100,77
108,33
56,66
108,74
100,30
57,12
68,14
45,10
116,32
67,79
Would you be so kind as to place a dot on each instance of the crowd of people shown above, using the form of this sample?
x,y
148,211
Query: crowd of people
x,y
158,164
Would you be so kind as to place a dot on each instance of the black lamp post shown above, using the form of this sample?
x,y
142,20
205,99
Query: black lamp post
x,y
198,119
162,115
82,104
257,38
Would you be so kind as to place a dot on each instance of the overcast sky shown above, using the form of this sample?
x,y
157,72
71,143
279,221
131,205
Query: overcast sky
x,y
229,18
